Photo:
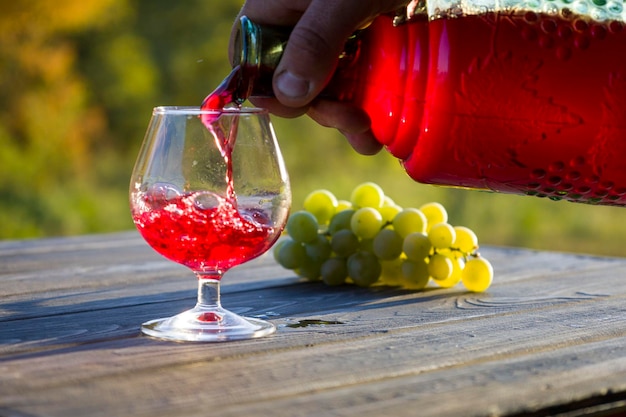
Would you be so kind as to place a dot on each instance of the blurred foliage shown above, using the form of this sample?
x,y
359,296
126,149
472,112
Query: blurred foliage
x,y
78,80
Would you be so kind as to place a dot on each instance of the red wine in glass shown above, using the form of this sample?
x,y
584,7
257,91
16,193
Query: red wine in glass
x,y
202,230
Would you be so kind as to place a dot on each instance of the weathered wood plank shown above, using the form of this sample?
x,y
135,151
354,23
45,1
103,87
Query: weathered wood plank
x,y
48,265
498,386
301,362
82,272
90,314
452,320
551,331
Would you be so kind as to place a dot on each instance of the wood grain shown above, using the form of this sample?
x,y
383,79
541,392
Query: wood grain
x,y
548,337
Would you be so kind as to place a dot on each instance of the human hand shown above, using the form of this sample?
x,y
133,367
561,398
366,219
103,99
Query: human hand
x,y
320,30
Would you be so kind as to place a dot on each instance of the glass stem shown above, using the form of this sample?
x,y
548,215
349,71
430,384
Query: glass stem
x,y
209,291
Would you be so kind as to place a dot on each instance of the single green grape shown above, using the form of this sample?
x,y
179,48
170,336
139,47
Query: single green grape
x,y
319,250
389,212
334,271
343,205
340,221
409,220
466,240
302,226
364,268
322,204
391,273
366,222
387,244
388,201
477,275
344,243
455,276
440,267
291,254
277,247
367,194
309,269
442,235
417,246
415,274
435,213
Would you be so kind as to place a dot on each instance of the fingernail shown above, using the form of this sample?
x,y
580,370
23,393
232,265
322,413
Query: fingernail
x,y
291,85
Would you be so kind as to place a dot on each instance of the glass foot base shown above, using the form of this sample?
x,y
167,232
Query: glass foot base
x,y
201,325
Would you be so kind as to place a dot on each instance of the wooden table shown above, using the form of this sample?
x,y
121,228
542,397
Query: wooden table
x,y
549,338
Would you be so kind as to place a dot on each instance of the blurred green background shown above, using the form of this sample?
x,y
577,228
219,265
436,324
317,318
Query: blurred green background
x,y
78,81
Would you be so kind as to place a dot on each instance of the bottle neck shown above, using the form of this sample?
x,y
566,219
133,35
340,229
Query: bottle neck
x,y
260,49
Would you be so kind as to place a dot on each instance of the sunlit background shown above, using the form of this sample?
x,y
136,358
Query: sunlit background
x,y
78,81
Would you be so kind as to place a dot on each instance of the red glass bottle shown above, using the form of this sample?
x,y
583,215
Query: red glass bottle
x,y
515,101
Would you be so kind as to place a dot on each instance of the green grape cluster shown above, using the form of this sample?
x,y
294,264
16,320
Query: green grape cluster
x,y
370,240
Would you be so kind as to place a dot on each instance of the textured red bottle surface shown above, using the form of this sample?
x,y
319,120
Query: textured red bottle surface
x,y
391,76
521,103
